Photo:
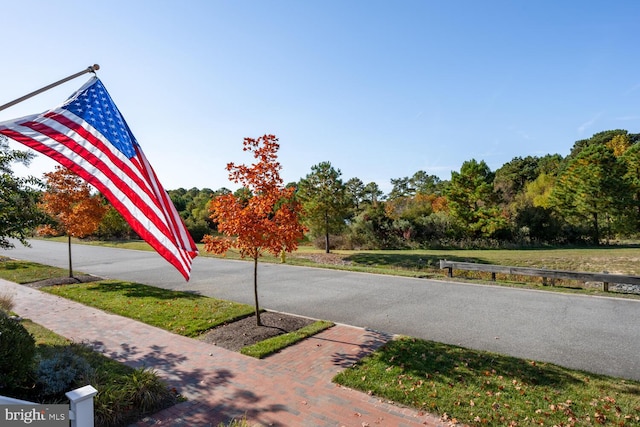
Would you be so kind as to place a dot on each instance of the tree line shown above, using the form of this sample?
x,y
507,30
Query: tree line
x,y
590,196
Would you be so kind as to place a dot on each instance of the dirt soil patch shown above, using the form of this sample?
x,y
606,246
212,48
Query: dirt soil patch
x,y
233,336
83,278
324,258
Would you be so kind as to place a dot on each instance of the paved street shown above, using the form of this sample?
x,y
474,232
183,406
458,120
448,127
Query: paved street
x,y
591,333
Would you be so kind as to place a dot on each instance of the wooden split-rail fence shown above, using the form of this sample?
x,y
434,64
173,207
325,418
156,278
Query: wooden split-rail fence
x,y
552,275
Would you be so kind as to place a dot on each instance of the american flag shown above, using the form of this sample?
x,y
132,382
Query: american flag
x,y
88,135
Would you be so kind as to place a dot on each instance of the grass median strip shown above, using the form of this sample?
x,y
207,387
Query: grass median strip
x,y
273,345
182,313
482,388
27,272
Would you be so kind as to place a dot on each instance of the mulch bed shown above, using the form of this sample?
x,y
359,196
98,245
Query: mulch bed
x,y
83,278
233,336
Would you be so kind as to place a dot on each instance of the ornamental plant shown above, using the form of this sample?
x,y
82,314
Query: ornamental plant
x,y
75,211
17,352
264,217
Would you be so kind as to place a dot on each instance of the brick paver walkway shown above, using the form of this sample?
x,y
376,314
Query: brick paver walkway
x,y
291,388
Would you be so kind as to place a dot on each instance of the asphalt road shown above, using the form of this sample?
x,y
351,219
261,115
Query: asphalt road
x,y
595,334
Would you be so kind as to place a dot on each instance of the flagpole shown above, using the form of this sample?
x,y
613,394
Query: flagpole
x,y
91,69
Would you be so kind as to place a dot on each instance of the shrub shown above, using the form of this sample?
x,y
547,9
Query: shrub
x,y
111,407
17,352
60,372
141,393
147,391
6,303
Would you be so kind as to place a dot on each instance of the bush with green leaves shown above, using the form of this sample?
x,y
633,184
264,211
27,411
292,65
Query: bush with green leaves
x,y
61,371
17,352
111,407
147,390
140,393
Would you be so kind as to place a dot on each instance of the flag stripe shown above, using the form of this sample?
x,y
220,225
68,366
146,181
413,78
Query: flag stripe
x,y
120,201
106,170
121,173
101,149
176,226
129,183
167,205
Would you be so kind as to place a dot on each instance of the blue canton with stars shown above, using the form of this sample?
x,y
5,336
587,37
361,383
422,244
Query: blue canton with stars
x,y
96,107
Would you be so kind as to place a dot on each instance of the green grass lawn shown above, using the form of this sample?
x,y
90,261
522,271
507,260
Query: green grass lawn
x,y
182,313
272,345
481,388
27,272
621,260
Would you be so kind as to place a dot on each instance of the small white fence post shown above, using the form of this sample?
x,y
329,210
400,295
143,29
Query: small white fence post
x,y
81,406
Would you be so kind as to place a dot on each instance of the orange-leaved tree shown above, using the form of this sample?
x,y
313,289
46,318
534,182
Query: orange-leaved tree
x,y
69,202
266,218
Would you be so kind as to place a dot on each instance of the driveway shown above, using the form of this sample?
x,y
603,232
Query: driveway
x,y
596,334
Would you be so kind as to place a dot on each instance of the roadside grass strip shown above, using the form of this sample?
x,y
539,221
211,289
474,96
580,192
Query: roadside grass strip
x,y
27,272
272,345
182,313
482,388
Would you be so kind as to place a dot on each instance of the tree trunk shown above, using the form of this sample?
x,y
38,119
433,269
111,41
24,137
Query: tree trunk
x,y
255,289
70,268
638,210
596,230
326,233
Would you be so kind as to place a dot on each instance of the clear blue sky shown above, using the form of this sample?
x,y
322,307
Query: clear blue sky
x,y
381,89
